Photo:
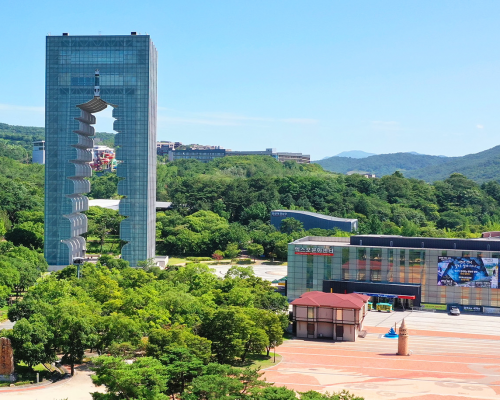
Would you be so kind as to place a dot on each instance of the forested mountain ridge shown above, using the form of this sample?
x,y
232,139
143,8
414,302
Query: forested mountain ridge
x,y
229,201
353,154
480,167
381,164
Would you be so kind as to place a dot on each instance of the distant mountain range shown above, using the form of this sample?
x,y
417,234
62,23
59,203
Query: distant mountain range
x,y
480,167
354,154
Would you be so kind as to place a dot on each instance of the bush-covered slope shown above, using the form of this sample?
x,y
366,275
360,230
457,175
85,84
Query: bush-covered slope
x,y
480,167
22,136
382,164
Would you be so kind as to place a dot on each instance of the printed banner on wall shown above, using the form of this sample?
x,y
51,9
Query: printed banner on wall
x,y
314,250
468,272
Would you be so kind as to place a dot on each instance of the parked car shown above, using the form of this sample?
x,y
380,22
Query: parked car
x,y
454,311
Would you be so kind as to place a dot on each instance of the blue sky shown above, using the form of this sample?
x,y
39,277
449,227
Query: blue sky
x,y
317,77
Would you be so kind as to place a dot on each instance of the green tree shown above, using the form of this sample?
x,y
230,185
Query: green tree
x,y
222,381
255,342
104,186
289,225
116,328
228,330
232,250
31,341
146,379
182,366
270,323
3,230
451,220
255,250
9,274
277,393
343,395
161,341
27,234
74,322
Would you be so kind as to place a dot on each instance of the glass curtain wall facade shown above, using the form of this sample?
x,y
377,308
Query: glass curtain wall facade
x,y
333,259
127,66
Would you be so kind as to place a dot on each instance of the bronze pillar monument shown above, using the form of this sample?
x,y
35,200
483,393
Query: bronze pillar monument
x,y
403,340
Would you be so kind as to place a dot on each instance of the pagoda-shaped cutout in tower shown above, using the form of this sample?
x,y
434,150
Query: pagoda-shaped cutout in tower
x,y
403,341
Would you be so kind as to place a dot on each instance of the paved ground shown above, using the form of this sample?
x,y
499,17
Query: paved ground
x,y
77,388
452,358
267,272
6,324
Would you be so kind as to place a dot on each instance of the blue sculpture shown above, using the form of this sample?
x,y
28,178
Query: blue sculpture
x,y
391,334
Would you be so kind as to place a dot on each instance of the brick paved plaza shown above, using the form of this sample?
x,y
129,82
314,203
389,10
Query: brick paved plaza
x,y
453,358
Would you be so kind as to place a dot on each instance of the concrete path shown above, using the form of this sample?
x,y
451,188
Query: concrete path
x,y
6,324
267,272
77,388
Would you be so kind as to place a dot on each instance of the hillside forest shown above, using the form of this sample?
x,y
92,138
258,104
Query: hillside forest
x,y
480,167
193,333
226,203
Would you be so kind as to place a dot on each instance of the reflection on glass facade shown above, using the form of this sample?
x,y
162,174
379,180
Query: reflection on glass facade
x,y
375,265
327,272
390,266
310,272
409,266
127,67
345,263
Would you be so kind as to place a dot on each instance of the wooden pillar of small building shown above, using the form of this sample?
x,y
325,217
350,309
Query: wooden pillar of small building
x,y
403,342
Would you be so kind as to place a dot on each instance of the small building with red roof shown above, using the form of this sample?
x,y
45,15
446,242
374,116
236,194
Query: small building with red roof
x,y
329,315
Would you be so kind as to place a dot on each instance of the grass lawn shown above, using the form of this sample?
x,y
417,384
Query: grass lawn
x,y
276,262
176,260
260,361
108,247
3,313
27,375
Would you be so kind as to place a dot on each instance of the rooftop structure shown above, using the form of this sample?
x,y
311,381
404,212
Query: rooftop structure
x,y
336,300
280,156
162,148
113,204
312,220
200,155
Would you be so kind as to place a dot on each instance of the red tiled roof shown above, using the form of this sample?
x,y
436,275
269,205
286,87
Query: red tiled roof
x,y
333,300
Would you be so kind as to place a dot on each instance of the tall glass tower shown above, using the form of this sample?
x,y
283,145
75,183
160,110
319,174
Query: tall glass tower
x,y
84,75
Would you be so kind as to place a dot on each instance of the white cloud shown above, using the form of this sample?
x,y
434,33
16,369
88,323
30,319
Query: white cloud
x,y
479,126
221,119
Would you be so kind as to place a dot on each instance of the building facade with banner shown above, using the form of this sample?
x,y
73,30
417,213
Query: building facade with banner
x,y
405,272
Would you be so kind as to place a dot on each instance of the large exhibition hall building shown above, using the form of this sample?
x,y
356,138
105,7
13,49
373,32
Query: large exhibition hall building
x,y
403,271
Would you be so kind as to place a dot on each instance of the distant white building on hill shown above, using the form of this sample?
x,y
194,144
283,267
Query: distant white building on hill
x,y
39,152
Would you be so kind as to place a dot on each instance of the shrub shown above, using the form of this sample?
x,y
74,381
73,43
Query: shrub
x,y
197,259
245,261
